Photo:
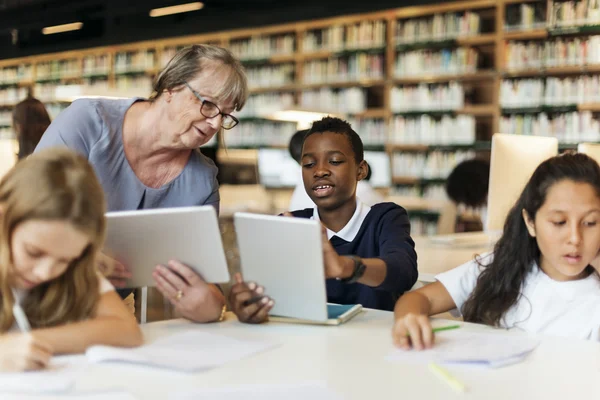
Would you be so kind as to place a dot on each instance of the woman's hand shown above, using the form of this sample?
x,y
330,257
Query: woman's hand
x,y
413,330
192,297
23,352
115,271
248,301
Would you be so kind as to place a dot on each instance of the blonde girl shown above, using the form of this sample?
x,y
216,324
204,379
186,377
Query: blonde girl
x,y
52,227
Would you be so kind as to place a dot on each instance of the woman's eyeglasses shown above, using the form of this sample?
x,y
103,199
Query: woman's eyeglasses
x,y
211,110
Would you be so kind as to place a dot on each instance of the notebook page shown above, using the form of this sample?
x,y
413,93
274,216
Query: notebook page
x,y
59,377
492,349
185,351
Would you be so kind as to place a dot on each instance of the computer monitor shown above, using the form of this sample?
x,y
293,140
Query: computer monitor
x,y
276,168
591,149
514,158
380,168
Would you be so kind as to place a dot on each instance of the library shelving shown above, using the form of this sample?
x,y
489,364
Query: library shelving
x,y
429,85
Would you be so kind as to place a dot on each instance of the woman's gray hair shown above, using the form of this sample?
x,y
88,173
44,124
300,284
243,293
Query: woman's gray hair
x,y
191,60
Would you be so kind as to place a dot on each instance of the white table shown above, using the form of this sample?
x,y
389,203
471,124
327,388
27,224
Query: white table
x,y
350,358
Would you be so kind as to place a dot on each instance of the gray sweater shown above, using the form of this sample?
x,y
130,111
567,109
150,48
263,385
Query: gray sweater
x,y
94,128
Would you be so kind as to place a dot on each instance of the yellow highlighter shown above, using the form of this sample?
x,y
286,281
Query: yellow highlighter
x,y
444,375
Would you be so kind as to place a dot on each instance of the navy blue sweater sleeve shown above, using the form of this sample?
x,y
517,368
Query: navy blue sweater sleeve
x,y
397,250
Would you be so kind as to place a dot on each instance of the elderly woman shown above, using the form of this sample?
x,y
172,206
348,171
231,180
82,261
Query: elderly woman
x,y
145,152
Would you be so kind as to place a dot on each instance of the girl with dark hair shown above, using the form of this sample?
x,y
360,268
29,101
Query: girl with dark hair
x,y
30,120
538,278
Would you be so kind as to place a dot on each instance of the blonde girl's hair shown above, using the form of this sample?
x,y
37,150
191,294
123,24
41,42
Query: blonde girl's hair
x,y
53,185
188,62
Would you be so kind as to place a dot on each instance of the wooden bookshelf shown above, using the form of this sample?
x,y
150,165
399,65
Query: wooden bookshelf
x,y
483,85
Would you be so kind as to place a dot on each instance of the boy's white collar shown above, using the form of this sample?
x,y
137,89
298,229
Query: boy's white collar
x,y
350,230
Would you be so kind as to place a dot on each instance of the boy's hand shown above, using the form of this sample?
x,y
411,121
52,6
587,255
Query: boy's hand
x,y
336,266
248,301
413,330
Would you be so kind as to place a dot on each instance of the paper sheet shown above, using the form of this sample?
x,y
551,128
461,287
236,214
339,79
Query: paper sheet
x,y
311,391
59,377
488,349
186,351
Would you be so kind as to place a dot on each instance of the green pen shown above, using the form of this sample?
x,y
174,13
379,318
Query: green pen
x,y
445,328
442,328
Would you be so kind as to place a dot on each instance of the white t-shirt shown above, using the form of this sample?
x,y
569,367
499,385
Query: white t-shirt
x,y
568,309
104,287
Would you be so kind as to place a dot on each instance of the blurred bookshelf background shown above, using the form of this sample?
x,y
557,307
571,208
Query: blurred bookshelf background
x,y
425,86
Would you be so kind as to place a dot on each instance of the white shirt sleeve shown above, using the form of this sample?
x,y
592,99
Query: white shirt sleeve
x,y
461,281
105,286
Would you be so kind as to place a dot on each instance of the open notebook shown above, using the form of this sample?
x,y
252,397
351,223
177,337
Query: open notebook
x,y
337,314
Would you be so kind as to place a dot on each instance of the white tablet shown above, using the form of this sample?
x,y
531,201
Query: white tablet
x,y
145,238
284,255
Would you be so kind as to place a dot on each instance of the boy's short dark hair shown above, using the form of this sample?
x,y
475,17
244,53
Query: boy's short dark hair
x,y
337,125
468,183
295,146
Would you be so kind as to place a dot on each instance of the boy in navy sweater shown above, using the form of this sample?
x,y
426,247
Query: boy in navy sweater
x,y
368,253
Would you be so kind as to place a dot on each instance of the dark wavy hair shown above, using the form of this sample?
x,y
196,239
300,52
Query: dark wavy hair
x,y
30,121
500,283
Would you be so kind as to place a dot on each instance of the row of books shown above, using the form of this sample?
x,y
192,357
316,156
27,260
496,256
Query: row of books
x,y
347,101
438,27
433,131
5,118
553,53
373,132
364,35
573,13
345,69
447,61
58,69
427,97
573,127
525,16
271,75
18,73
255,134
260,47
134,61
96,65
520,93
12,95
259,105
434,165
139,83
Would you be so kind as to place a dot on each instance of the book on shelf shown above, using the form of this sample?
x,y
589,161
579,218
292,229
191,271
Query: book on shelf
x,y
573,13
457,61
363,35
261,47
571,127
438,27
525,16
